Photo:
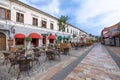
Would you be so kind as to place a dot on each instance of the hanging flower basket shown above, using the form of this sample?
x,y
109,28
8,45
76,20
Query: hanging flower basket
x,y
28,39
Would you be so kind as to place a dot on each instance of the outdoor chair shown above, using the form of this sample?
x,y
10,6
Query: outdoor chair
x,y
57,52
66,50
6,57
50,55
24,65
37,54
13,62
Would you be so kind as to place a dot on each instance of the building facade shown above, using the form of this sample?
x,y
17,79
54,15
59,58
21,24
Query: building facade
x,y
19,20
111,35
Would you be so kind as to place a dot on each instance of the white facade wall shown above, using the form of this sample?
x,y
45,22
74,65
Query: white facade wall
x,y
27,27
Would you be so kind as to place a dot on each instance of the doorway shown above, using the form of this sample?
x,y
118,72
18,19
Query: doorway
x,y
2,41
34,42
44,40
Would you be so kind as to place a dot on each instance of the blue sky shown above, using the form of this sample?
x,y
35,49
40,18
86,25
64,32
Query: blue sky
x,y
89,15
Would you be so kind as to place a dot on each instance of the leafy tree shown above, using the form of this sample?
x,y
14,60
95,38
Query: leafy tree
x,y
13,0
62,23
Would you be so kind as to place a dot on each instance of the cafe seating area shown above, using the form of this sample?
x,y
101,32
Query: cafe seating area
x,y
21,61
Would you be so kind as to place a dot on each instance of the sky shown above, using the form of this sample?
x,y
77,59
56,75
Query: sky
x,y
89,15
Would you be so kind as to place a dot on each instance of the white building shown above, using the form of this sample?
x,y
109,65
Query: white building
x,y
19,20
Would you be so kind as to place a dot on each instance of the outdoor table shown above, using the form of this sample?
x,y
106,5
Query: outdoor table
x,y
51,54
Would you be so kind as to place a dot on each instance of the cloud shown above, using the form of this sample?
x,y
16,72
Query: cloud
x,y
97,13
89,15
51,7
31,1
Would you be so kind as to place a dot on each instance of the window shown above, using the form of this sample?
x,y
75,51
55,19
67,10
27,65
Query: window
x,y
20,17
44,24
8,15
51,26
5,14
71,31
35,21
67,30
2,13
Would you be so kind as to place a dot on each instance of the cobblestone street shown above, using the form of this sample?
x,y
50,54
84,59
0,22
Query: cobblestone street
x,y
97,64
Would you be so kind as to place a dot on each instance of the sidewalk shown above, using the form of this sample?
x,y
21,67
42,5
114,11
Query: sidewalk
x,y
115,50
97,65
46,75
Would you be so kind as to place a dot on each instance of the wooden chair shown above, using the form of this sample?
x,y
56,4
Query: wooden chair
x,y
66,50
6,57
13,62
37,54
24,65
50,55
57,52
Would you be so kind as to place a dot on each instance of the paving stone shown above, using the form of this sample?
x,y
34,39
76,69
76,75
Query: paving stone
x,y
97,65
88,79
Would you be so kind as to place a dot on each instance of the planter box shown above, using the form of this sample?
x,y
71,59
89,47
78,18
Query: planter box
x,y
13,49
88,43
64,45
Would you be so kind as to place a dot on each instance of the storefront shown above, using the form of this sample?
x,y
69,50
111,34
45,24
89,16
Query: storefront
x,y
19,39
51,38
35,39
115,37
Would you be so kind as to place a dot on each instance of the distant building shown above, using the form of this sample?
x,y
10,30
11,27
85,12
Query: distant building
x,y
111,35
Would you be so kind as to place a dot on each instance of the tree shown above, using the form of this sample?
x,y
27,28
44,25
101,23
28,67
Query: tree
x,y
13,0
62,23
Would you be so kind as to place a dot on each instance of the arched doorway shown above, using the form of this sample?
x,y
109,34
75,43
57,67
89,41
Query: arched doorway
x,y
2,41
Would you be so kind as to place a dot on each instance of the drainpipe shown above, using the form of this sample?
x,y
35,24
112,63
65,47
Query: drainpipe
x,y
10,40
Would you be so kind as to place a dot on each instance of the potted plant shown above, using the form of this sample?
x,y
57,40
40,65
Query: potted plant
x,y
28,40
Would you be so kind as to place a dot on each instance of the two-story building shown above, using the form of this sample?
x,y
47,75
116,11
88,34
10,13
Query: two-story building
x,y
111,35
19,20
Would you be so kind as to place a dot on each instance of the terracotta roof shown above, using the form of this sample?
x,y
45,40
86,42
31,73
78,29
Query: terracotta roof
x,y
111,27
114,26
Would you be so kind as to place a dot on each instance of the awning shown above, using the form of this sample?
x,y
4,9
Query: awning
x,y
34,35
81,38
59,37
51,37
66,37
19,36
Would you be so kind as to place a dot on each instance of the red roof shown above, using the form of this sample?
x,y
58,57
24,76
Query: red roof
x,y
51,37
19,36
34,35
